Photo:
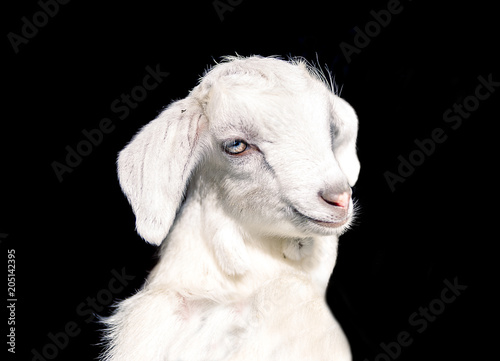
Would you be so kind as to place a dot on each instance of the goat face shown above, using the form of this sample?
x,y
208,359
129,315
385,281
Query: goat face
x,y
283,147
274,142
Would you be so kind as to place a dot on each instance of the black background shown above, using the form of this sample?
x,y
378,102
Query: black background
x,y
68,236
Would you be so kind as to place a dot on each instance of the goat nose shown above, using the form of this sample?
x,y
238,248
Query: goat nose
x,y
336,199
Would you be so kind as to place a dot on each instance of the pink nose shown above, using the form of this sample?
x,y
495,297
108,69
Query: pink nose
x,y
336,199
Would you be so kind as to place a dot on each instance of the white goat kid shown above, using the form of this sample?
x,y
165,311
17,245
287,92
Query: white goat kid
x,y
246,184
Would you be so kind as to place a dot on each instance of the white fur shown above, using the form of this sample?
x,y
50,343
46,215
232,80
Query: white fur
x,y
243,268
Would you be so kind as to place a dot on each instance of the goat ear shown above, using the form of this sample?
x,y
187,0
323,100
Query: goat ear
x,y
155,167
345,125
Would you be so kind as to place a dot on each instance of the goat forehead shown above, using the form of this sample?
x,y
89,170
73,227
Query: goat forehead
x,y
303,117
272,114
266,98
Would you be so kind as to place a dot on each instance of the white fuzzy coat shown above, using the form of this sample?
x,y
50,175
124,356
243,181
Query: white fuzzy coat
x,y
249,239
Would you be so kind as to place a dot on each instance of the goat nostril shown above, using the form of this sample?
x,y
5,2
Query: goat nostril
x,y
336,199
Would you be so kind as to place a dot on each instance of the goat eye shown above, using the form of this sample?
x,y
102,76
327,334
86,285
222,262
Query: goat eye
x,y
234,146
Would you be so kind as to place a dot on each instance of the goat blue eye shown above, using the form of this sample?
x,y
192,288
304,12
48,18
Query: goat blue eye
x,y
235,146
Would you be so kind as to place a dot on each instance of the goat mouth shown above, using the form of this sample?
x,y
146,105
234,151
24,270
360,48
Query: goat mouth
x,y
330,224
327,224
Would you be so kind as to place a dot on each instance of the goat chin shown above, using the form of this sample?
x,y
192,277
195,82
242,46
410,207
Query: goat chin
x,y
218,180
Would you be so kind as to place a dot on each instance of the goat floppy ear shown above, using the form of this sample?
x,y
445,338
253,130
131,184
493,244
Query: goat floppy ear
x,y
345,126
155,167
